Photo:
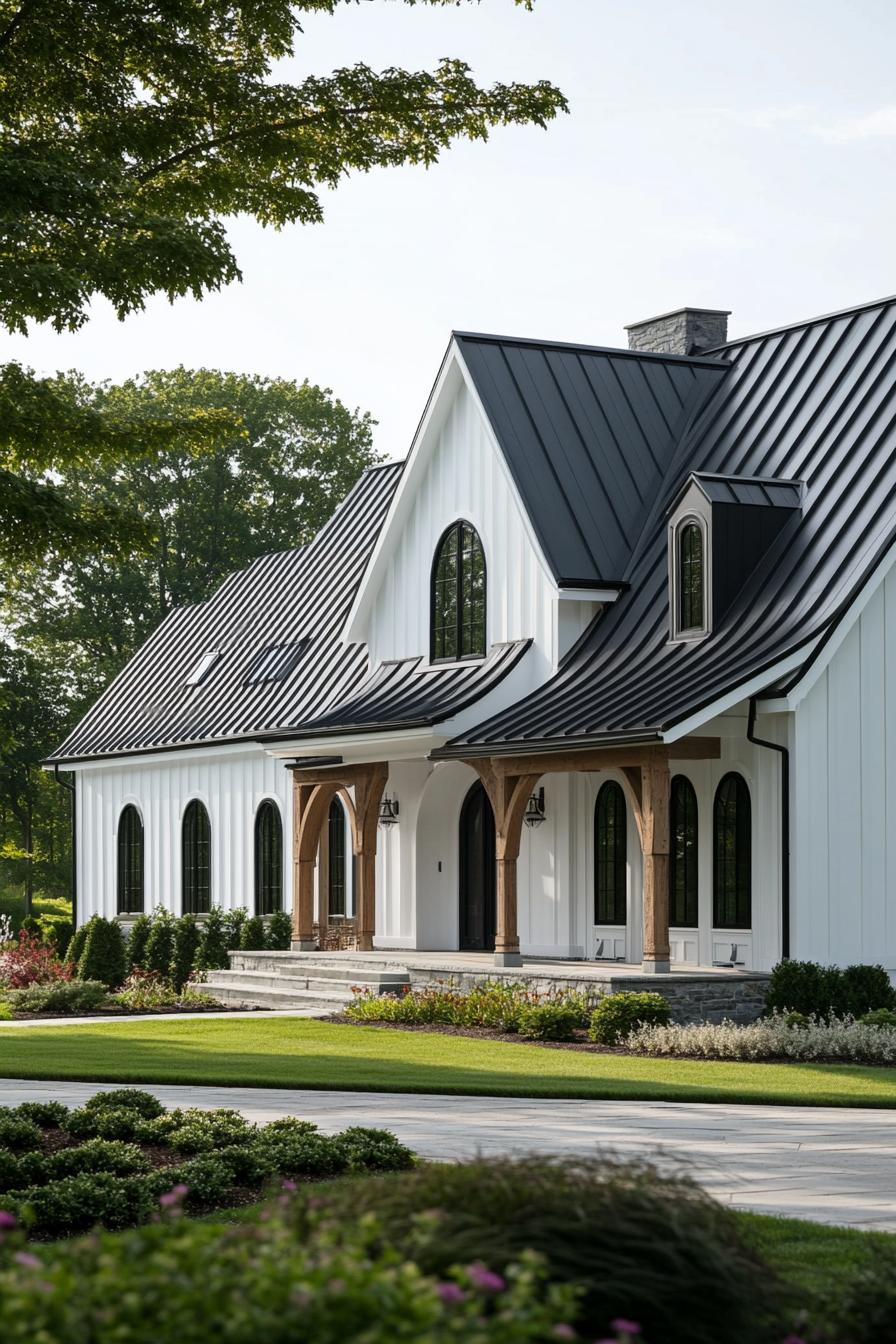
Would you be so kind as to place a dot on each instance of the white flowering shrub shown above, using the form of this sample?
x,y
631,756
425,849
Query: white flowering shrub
x,y
6,934
771,1038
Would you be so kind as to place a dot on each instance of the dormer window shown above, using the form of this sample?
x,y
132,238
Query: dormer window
x,y
689,576
202,668
457,600
691,567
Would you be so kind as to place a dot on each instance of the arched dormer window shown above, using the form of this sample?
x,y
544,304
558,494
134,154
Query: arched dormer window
x,y
610,855
683,909
691,564
196,845
457,600
130,861
732,844
268,859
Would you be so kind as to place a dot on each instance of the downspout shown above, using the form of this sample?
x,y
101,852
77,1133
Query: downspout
x,y
70,787
785,824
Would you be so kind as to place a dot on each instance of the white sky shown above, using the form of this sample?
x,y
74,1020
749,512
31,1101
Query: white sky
x,y
732,156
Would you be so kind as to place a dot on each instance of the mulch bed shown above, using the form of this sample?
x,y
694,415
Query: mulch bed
x,y
581,1044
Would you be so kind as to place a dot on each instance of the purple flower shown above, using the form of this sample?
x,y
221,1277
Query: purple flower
x,y
624,1327
27,1259
450,1292
794,1339
288,1185
7,1219
485,1279
173,1196
562,1331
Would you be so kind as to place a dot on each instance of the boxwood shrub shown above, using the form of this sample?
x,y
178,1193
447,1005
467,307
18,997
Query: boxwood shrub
x,y
103,1175
618,1014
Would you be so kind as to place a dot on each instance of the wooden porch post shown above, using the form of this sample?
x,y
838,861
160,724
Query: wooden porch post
x,y
368,795
650,787
311,806
508,795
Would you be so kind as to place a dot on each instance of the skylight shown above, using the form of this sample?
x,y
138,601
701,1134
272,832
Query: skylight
x,y
275,662
205,664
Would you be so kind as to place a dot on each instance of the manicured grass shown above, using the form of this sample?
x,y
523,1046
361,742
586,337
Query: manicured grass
x,y
815,1258
298,1052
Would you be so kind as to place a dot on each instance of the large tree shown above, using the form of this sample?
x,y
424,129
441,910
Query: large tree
x,y
129,130
267,485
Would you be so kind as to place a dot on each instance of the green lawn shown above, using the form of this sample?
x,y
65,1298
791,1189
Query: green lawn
x,y
298,1052
816,1258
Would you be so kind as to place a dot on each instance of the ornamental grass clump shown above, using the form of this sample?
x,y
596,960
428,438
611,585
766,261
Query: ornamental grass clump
x,y
62,998
775,1037
652,1244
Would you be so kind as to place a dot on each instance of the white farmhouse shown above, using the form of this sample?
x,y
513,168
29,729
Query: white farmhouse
x,y
602,671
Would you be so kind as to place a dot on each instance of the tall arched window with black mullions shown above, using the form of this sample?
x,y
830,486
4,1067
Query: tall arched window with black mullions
x,y
268,859
196,859
683,856
130,861
732,855
337,895
610,855
691,565
458,595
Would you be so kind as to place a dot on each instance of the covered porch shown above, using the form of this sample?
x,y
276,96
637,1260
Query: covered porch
x,y
510,784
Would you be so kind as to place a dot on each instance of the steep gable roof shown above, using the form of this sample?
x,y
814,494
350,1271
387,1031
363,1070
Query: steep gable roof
x,y
814,403
588,435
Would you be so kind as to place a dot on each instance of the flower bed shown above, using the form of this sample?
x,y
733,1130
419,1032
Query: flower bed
x,y
499,1006
778,1037
122,1156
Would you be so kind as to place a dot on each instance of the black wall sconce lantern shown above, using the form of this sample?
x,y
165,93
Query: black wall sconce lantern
x,y
534,814
388,811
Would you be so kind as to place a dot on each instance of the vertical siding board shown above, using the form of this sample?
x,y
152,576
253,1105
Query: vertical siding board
x,y
873,780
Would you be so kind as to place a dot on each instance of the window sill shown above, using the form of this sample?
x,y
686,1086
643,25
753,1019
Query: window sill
x,y
450,664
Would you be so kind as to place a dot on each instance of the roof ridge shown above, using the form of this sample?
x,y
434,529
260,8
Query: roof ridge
x,y
885,302
622,352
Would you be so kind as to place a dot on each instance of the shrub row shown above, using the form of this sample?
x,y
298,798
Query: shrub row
x,y
108,1179
824,991
508,1006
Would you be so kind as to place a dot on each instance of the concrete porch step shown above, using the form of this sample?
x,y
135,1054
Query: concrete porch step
x,y
233,997
334,968
336,989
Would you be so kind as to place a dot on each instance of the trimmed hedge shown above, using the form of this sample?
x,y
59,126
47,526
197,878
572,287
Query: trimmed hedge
x,y
828,991
619,1014
103,957
108,1179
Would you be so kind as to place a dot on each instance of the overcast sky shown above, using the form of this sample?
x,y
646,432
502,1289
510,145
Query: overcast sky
x,y
731,156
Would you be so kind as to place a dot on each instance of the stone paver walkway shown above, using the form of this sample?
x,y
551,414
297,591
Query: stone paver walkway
x,y
829,1164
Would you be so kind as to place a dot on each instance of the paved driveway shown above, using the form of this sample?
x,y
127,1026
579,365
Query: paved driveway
x,y
825,1163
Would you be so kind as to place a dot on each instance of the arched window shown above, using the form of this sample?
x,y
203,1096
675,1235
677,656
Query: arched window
x,y
610,855
268,859
691,614
130,861
458,595
196,845
337,902
732,855
683,856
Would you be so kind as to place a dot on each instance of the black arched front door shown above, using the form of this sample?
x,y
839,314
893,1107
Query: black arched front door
x,y
477,873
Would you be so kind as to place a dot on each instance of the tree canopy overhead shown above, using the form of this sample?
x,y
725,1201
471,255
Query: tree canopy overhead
x,y
130,128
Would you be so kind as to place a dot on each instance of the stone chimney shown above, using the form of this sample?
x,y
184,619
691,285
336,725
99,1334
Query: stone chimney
x,y
686,331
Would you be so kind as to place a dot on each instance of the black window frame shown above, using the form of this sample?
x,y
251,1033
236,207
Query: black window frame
x,y
691,589
732,854
611,869
268,858
337,877
196,875
469,625
684,833
130,874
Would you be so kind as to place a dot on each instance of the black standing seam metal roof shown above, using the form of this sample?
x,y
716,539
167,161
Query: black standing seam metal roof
x,y
815,404
749,490
588,435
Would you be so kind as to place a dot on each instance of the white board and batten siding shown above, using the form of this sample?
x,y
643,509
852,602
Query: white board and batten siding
x,y
231,784
465,477
844,844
